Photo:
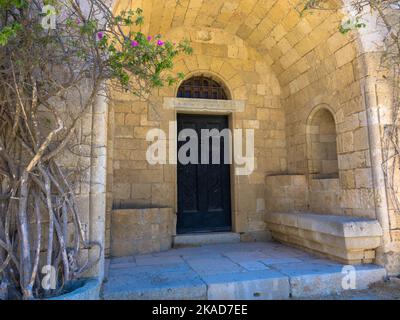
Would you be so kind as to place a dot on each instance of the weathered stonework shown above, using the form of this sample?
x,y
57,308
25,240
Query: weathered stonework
x,y
254,104
286,193
345,239
280,69
202,105
139,231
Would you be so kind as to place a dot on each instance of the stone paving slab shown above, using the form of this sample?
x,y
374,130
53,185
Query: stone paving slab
x,y
246,256
231,271
133,271
169,282
310,279
253,265
252,285
123,265
205,266
294,269
154,261
282,260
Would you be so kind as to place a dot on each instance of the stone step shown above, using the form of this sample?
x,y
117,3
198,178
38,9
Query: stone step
x,y
177,282
235,271
199,239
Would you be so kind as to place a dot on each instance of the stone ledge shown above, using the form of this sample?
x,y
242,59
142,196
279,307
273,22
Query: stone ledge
x,y
349,240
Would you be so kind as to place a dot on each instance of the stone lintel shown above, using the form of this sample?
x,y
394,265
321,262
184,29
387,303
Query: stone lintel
x,y
204,105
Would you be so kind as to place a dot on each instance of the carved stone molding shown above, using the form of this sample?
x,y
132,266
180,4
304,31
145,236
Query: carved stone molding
x,y
204,105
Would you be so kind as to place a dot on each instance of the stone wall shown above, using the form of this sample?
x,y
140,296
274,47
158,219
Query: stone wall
x,y
296,193
286,193
137,184
332,81
324,196
140,231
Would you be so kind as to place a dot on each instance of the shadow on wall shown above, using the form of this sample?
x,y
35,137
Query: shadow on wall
x,y
289,193
322,145
133,204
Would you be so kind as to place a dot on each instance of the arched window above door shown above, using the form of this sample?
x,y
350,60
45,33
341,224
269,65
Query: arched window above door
x,y
201,87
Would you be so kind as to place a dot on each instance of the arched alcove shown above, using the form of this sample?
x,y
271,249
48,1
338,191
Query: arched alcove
x,y
322,145
272,71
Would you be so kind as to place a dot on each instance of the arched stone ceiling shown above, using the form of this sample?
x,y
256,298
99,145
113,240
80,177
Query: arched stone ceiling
x,y
291,44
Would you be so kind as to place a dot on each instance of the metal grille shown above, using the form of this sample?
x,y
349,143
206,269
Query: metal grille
x,y
201,88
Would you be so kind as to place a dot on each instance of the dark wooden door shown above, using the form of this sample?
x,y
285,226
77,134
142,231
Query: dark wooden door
x,y
204,197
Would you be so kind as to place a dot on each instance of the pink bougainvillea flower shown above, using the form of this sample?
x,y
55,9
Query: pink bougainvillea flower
x,y
160,43
78,21
134,44
149,38
100,35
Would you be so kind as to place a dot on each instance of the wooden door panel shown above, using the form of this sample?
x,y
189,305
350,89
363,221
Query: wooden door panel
x,y
203,189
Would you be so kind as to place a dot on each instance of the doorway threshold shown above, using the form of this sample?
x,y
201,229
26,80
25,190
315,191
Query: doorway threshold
x,y
199,239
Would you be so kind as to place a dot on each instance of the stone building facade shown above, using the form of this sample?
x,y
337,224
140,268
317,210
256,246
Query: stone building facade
x,y
313,97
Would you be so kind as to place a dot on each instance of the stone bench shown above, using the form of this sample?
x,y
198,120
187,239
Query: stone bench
x,y
349,240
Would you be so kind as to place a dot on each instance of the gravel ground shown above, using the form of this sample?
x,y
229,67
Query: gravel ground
x,y
388,290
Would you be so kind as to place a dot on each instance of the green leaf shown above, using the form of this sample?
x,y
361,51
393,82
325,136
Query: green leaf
x,y
9,32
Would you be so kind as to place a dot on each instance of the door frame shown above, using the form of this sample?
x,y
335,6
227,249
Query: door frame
x,y
228,122
227,108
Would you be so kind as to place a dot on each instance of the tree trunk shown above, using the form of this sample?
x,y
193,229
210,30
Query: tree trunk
x,y
25,261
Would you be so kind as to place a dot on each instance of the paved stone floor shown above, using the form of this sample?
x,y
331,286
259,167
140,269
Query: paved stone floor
x,y
231,271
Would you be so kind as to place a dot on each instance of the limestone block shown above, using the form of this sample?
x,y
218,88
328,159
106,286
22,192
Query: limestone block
x,y
361,139
141,191
310,279
193,240
256,236
286,193
346,239
123,190
132,119
335,42
255,285
345,55
347,179
178,282
135,231
363,178
123,131
119,119
324,196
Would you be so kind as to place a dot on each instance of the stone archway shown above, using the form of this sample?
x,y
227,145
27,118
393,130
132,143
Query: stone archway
x,y
276,62
272,60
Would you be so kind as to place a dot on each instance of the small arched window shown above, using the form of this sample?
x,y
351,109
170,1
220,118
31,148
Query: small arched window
x,y
201,87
